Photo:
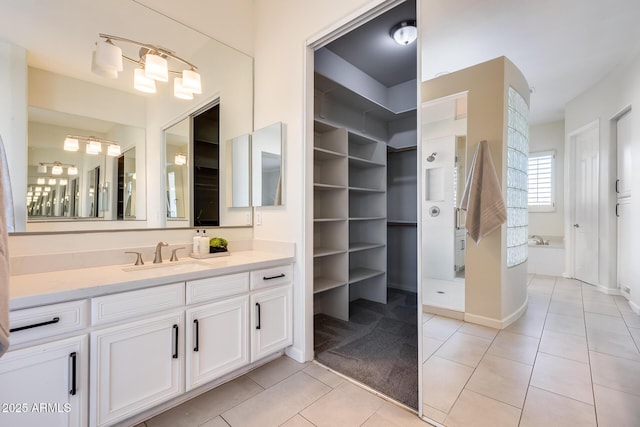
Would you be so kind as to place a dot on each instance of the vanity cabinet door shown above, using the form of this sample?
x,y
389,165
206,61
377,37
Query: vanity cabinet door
x,y
135,366
45,385
271,321
217,340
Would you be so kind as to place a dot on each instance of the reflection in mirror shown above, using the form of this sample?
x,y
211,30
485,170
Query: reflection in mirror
x,y
238,162
266,166
71,174
206,166
176,139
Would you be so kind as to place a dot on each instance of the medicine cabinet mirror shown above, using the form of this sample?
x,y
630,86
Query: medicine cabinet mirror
x,y
266,166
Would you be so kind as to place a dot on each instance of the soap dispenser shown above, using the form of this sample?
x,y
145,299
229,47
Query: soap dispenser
x,y
204,243
196,243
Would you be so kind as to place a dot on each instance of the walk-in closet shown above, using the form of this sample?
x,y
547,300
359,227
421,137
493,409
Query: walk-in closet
x,y
365,204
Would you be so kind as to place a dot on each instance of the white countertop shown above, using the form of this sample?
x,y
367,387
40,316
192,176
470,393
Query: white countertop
x,y
30,290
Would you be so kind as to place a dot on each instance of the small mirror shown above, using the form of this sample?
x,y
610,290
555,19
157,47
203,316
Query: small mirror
x,y
266,166
238,161
126,200
176,140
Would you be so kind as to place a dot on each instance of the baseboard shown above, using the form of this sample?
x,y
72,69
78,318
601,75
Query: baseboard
x,y
295,353
635,307
495,323
445,312
608,291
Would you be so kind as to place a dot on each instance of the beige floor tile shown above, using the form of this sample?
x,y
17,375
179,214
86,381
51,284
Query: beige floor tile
x,y
442,382
567,308
277,404
216,422
543,408
542,285
635,334
622,303
465,349
536,302
520,348
429,346
324,375
564,345
346,405
479,331
615,372
615,408
608,308
426,317
473,409
501,379
601,322
621,345
440,328
275,371
393,415
565,324
530,324
433,414
297,421
208,405
631,319
563,376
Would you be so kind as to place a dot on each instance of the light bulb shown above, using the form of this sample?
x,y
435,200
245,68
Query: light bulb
x,y
142,82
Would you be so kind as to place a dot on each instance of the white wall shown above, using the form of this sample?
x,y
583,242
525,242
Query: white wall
x,y
283,77
545,137
618,90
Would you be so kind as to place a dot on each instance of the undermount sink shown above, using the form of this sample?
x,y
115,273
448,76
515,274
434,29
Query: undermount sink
x,y
175,266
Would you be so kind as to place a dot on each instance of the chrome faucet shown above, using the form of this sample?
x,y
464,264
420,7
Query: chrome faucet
x,y
538,239
158,258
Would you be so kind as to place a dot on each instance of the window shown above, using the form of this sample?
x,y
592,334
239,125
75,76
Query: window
x,y
541,181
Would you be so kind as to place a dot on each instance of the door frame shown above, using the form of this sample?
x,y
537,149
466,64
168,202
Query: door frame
x,y
570,235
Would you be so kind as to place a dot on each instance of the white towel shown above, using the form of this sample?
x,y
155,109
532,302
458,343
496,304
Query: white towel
x,y
482,198
6,224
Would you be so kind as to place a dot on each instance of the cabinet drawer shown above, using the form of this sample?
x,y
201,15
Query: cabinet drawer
x,y
126,305
271,277
213,288
43,322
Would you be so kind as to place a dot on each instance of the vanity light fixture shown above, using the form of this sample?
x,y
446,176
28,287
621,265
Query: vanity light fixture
x,y
40,180
71,144
94,145
42,168
52,181
153,66
63,182
404,32
180,159
72,170
56,169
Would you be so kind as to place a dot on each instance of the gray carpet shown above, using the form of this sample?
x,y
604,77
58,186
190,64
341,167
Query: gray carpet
x,y
378,346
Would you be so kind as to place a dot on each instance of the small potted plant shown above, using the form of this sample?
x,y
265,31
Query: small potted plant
x,y
217,244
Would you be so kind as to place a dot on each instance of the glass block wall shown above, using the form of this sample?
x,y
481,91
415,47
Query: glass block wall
x,y
517,167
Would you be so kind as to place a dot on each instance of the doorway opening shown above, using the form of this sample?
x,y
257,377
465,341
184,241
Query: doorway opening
x,y
365,206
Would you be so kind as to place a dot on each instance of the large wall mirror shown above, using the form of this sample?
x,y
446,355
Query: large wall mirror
x,y
266,166
51,60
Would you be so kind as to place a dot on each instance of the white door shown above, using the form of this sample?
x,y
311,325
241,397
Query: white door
x,y
136,366
45,385
585,204
438,208
217,340
271,327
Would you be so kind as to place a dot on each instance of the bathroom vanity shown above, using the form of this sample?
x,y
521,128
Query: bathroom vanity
x,y
116,344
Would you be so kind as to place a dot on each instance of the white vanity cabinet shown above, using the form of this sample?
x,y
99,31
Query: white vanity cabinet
x,y
217,338
45,381
138,363
271,311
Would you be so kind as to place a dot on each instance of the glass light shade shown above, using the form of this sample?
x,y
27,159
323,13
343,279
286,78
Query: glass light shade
x,y
40,181
47,189
179,91
52,181
113,150
191,81
109,73
405,32
180,159
108,56
72,170
29,193
42,168
142,83
56,170
94,147
63,182
37,193
71,144
155,67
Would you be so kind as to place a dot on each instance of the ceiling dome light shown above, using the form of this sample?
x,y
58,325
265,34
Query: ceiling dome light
x,y
404,32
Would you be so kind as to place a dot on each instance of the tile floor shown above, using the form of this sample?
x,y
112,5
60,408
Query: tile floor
x,y
572,359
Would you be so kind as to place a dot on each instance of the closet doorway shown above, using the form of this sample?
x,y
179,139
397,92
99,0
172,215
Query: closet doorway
x,y
365,205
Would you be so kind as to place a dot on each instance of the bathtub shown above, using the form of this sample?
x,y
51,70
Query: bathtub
x,y
546,259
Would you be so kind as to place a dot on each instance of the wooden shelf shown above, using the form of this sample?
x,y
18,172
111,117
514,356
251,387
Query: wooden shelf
x,y
359,274
323,284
